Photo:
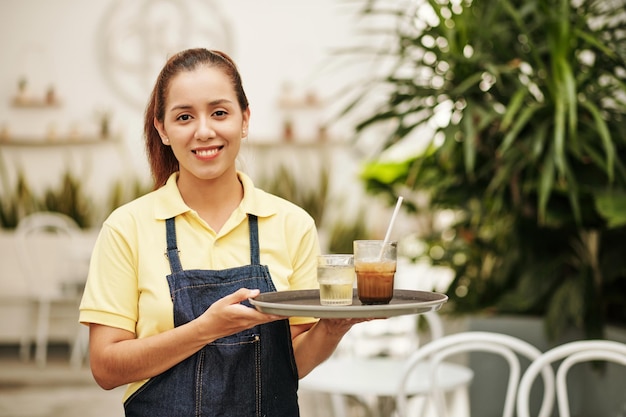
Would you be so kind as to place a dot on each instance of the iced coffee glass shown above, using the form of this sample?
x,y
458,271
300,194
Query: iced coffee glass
x,y
335,274
375,266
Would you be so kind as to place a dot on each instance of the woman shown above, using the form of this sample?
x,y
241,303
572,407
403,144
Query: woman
x,y
171,272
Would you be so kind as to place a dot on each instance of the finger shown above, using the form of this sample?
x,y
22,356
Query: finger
x,y
274,317
240,295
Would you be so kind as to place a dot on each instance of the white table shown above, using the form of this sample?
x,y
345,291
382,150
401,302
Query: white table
x,y
380,377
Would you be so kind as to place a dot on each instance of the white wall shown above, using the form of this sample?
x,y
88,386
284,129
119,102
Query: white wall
x,y
104,55
60,43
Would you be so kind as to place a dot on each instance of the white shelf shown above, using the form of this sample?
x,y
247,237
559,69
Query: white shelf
x,y
35,103
56,142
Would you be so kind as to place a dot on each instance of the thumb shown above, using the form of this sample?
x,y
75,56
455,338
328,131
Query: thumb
x,y
242,294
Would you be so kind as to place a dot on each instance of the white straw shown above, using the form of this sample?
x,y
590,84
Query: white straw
x,y
391,222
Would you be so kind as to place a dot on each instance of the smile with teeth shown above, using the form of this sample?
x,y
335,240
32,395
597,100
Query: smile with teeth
x,y
207,152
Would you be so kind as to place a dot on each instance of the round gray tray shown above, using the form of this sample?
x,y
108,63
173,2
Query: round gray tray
x,y
306,303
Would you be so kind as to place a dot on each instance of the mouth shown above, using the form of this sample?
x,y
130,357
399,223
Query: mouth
x,y
207,152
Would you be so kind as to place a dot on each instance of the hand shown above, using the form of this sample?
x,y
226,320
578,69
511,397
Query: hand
x,y
228,316
340,326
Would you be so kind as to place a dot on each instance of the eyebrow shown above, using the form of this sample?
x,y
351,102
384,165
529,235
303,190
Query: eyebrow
x,y
211,103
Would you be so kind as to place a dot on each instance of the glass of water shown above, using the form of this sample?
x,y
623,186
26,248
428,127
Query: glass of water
x,y
335,275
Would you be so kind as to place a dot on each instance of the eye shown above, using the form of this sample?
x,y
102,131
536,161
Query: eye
x,y
220,113
184,117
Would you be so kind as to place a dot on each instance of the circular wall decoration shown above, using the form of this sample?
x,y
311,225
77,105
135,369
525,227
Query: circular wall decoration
x,y
135,39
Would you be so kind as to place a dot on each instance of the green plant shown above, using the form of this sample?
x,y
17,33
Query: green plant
x,y
311,197
68,198
345,231
16,203
315,199
525,105
123,191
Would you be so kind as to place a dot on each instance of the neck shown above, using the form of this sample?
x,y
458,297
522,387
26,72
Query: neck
x,y
213,200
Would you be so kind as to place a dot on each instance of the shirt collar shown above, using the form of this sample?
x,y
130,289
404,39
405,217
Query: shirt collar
x,y
169,203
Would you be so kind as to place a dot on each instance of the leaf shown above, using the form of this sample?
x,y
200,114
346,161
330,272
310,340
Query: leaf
x,y
559,134
573,195
538,142
595,43
612,207
605,136
522,121
514,105
469,144
545,185
569,87
385,172
466,84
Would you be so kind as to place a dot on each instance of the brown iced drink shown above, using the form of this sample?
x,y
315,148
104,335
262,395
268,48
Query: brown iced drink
x,y
375,281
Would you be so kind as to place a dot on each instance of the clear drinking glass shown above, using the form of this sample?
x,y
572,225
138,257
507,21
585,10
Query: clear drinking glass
x,y
375,266
335,275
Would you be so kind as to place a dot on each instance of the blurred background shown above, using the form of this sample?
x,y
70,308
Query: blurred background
x,y
74,83
501,125
75,73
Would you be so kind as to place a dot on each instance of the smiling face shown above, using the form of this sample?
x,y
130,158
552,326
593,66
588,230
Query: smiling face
x,y
203,123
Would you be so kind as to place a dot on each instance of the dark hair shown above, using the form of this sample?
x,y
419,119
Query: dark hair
x,y
161,158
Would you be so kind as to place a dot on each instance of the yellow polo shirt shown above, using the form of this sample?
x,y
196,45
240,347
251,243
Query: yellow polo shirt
x,y
127,286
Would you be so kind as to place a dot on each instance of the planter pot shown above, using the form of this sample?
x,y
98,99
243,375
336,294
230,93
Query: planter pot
x,y
593,391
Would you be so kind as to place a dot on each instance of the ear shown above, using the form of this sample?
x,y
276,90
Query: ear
x,y
161,129
245,122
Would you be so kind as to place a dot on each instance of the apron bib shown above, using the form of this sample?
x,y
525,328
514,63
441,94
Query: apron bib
x,y
251,373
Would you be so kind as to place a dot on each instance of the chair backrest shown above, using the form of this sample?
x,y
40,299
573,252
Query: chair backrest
x,y
569,354
44,244
506,346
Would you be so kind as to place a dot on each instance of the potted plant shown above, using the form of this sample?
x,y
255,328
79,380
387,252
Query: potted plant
x,y
523,103
68,197
337,230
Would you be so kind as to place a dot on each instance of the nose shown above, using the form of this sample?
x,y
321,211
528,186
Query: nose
x,y
204,130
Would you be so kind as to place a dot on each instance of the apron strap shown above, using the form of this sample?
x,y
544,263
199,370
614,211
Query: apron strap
x,y
172,249
254,239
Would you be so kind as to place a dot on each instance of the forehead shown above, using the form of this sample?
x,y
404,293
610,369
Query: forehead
x,y
202,80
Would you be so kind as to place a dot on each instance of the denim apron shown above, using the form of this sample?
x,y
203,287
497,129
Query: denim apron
x,y
251,373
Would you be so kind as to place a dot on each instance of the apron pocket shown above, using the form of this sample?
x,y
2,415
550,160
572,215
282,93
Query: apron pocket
x,y
228,376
